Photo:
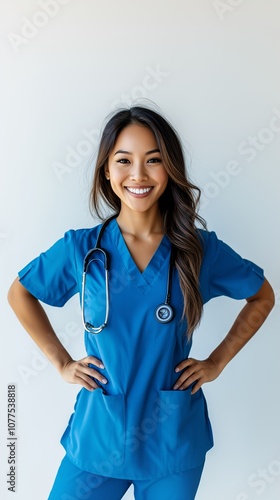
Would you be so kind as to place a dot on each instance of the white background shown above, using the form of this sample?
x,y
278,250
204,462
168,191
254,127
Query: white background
x,y
213,70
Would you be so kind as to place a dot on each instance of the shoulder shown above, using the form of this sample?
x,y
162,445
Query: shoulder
x,y
215,249
88,234
74,243
208,240
214,246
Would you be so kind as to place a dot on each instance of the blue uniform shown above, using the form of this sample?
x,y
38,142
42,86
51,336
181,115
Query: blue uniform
x,y
140,428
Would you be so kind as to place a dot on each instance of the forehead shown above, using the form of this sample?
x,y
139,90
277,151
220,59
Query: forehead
x,y
135,137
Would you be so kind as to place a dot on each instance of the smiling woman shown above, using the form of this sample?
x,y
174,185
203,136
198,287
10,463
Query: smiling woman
x,y
175,210
141,416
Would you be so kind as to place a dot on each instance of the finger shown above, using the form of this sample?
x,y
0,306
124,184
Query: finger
x,y
79,369
186,375
187,384
184,364
184,383
85,372
87,382
196,387
93,361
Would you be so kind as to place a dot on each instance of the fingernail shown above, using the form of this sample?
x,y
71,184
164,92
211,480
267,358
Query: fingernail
x,y
175,386
101,366
177,370
104,381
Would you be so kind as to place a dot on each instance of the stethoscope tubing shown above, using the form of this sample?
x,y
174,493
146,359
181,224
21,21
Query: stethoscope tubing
x,y
164,312
90,328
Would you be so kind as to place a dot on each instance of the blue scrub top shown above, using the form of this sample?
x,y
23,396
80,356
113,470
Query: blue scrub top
x,y
141,428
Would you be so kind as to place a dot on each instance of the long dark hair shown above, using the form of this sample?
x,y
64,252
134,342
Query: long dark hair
x,y
178,204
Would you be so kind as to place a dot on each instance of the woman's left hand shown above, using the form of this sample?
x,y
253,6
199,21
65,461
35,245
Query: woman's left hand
x,y
196,371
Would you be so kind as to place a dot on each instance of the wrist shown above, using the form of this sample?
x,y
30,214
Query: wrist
x,y
219,363
60,364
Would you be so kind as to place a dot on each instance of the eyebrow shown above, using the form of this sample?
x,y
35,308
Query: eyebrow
x,y
128,153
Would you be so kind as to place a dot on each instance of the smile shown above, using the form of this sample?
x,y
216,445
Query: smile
x,y
139,190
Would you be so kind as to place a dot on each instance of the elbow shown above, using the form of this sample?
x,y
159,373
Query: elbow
x,y
270,296
11,296
272,299
264,298
16,293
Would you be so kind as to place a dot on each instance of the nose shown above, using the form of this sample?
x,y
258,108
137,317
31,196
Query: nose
x,y
138,173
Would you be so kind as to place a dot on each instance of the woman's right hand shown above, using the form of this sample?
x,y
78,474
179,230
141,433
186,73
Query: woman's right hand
x,y
78,372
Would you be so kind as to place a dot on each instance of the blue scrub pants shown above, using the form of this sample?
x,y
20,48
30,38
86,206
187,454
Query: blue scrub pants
x,y
72,483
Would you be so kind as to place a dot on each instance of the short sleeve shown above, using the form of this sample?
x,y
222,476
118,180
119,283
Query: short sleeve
x,y
52,277
230,274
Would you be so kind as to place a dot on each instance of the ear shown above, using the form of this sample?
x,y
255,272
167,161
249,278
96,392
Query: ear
x,y
106,171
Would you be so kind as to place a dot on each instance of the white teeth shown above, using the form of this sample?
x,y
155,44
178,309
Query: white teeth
x,y
139,191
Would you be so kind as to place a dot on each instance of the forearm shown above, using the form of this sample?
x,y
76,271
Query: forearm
x,y
34,319
247,323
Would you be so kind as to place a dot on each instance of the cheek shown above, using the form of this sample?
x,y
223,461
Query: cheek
x,y
164,178
117,177
116,180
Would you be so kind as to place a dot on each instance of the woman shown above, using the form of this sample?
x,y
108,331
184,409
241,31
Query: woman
x,y
141,416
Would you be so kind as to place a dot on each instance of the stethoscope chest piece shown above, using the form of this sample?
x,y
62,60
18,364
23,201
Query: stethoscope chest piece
x,y
164,313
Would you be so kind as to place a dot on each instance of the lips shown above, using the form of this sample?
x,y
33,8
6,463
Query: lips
x,y
139,190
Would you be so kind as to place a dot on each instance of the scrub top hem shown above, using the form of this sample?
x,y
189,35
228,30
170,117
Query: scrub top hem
x,y
115,474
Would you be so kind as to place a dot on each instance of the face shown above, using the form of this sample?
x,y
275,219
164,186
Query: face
x,y
135,169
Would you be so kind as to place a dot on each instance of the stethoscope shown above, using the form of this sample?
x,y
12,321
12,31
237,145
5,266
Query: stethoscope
x,y
163,313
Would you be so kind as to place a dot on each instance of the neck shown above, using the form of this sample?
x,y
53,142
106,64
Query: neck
x,y
141,224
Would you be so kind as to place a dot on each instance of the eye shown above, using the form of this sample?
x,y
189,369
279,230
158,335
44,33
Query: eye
x,y
123,161
154,160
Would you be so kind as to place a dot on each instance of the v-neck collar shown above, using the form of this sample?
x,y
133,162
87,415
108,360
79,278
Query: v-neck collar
x,y
142,280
